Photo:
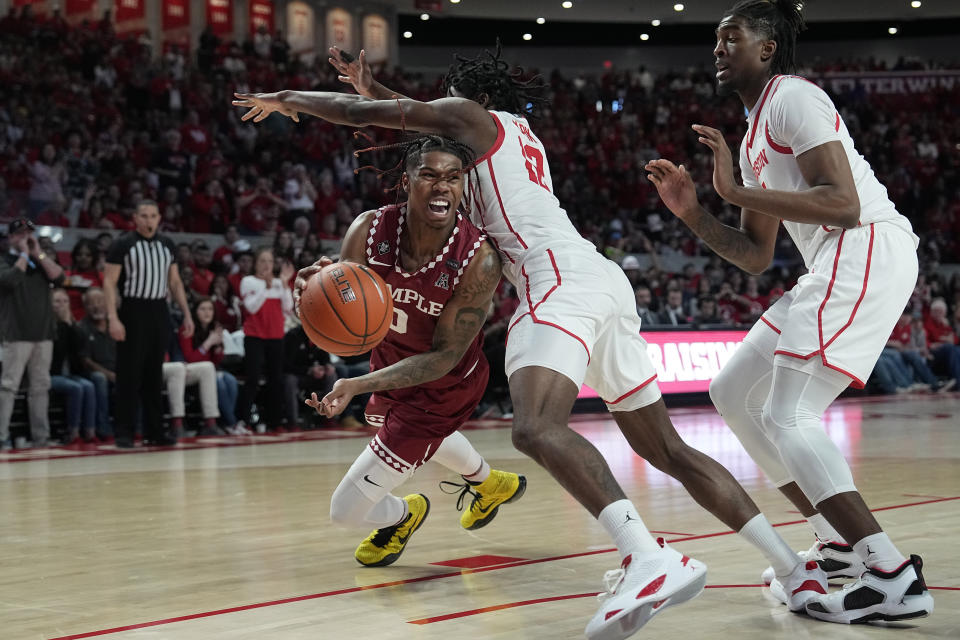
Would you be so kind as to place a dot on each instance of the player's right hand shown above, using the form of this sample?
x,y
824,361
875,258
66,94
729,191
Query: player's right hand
x,y
356,72
117,331
302,276
674,185
262,105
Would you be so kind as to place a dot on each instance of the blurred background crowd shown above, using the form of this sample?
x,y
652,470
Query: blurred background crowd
x,y
93,124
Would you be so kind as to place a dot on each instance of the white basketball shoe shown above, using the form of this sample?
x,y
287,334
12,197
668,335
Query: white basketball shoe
x,y
806,581
900,594
643,586
837,559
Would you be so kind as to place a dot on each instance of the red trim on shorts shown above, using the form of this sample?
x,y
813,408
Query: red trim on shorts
x,y
773,145
837,125
533,307
863,291
833,278
769,324
634,390
501,134
857,382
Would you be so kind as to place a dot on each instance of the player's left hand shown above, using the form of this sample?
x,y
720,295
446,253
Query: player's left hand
x,y
723,180
262,105
302,276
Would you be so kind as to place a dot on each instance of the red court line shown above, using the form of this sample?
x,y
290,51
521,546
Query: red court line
x,y
671,533
394,583
497,607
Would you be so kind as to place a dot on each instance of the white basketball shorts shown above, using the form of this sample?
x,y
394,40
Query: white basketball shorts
x,y
578,316
841,313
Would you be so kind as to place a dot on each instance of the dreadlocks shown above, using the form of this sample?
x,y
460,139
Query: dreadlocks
x,y
489,74
777,20
411,153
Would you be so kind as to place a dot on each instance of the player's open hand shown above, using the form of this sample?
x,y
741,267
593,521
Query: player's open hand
x,y
353,71
336,401
723,180
675,187
262,105
302,276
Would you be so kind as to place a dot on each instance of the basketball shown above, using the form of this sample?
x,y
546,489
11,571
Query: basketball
x,y
346,309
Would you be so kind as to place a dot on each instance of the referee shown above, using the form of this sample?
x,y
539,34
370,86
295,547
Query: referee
x,y
139,270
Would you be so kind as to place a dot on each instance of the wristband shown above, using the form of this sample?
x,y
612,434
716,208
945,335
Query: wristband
x,y
25,256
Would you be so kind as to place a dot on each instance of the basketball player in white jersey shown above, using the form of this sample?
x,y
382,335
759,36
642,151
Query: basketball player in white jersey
x,y
799,165
577,322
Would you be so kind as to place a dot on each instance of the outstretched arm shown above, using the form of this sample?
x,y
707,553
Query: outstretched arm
x,y
750,247
457,326
458,118
356,72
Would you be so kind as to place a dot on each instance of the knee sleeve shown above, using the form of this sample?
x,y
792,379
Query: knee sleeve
x,y
363,497
457,454
792,421
739,392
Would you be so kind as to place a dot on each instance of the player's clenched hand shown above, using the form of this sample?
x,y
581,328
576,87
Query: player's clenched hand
x,y
723,180
675,187
262,105
302,276
353,71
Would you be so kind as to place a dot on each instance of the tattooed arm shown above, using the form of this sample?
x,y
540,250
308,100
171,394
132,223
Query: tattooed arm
x,y
750,247
457,326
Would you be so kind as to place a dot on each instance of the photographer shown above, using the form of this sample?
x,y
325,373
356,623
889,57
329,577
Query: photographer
x,y
26,328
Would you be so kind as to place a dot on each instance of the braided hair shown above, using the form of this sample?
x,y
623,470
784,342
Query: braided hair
x,y
411,153
777,20
506,89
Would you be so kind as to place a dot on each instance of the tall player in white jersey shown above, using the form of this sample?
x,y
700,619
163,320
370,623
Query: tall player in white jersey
x,y
799,165
577,322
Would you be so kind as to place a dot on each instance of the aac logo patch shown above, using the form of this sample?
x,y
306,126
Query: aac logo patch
x,y
443,281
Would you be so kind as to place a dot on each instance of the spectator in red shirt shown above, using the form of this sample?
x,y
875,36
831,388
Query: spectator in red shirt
x,y
255,207
206,345
226,304
53,215
202,275
209,210
942,339
224,253
265,299
82,275
901,351
243,266
171,211
196,138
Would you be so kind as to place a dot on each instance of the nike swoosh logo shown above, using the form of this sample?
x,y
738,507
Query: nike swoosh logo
x,y
367,478
377,263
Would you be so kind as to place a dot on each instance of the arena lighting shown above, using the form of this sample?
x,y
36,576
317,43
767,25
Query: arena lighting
x,y
424,16
541,20
644,36
916,4
566,5
655,23
408,34
527,36
454,1
892,31
678,7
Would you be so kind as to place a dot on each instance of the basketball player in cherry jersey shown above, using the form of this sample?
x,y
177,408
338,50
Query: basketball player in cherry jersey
x,y
577,323
799,165
429,373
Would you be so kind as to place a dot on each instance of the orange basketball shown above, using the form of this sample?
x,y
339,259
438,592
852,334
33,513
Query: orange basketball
x,y
346,309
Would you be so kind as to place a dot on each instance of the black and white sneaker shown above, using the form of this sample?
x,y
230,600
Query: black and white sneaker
x,y
900,594
837,559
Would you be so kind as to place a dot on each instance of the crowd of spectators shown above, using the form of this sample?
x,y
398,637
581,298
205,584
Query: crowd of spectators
x,y
97,123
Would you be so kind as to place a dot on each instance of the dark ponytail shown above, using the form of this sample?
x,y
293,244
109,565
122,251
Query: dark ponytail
x,y
777,20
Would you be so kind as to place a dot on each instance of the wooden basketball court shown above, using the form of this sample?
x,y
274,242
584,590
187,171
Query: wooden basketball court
x,y
216,540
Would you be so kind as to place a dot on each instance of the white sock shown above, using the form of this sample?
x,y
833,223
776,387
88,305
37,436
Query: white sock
x,y
760,534
480,474
824,530
879,552
624,525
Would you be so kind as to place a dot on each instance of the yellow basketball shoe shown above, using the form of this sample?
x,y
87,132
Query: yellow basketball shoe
x,y
384,546
501,487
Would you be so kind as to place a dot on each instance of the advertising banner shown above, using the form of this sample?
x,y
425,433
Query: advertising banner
x,y
686,361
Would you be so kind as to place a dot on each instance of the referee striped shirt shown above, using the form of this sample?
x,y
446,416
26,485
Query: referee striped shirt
x,y
145,265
